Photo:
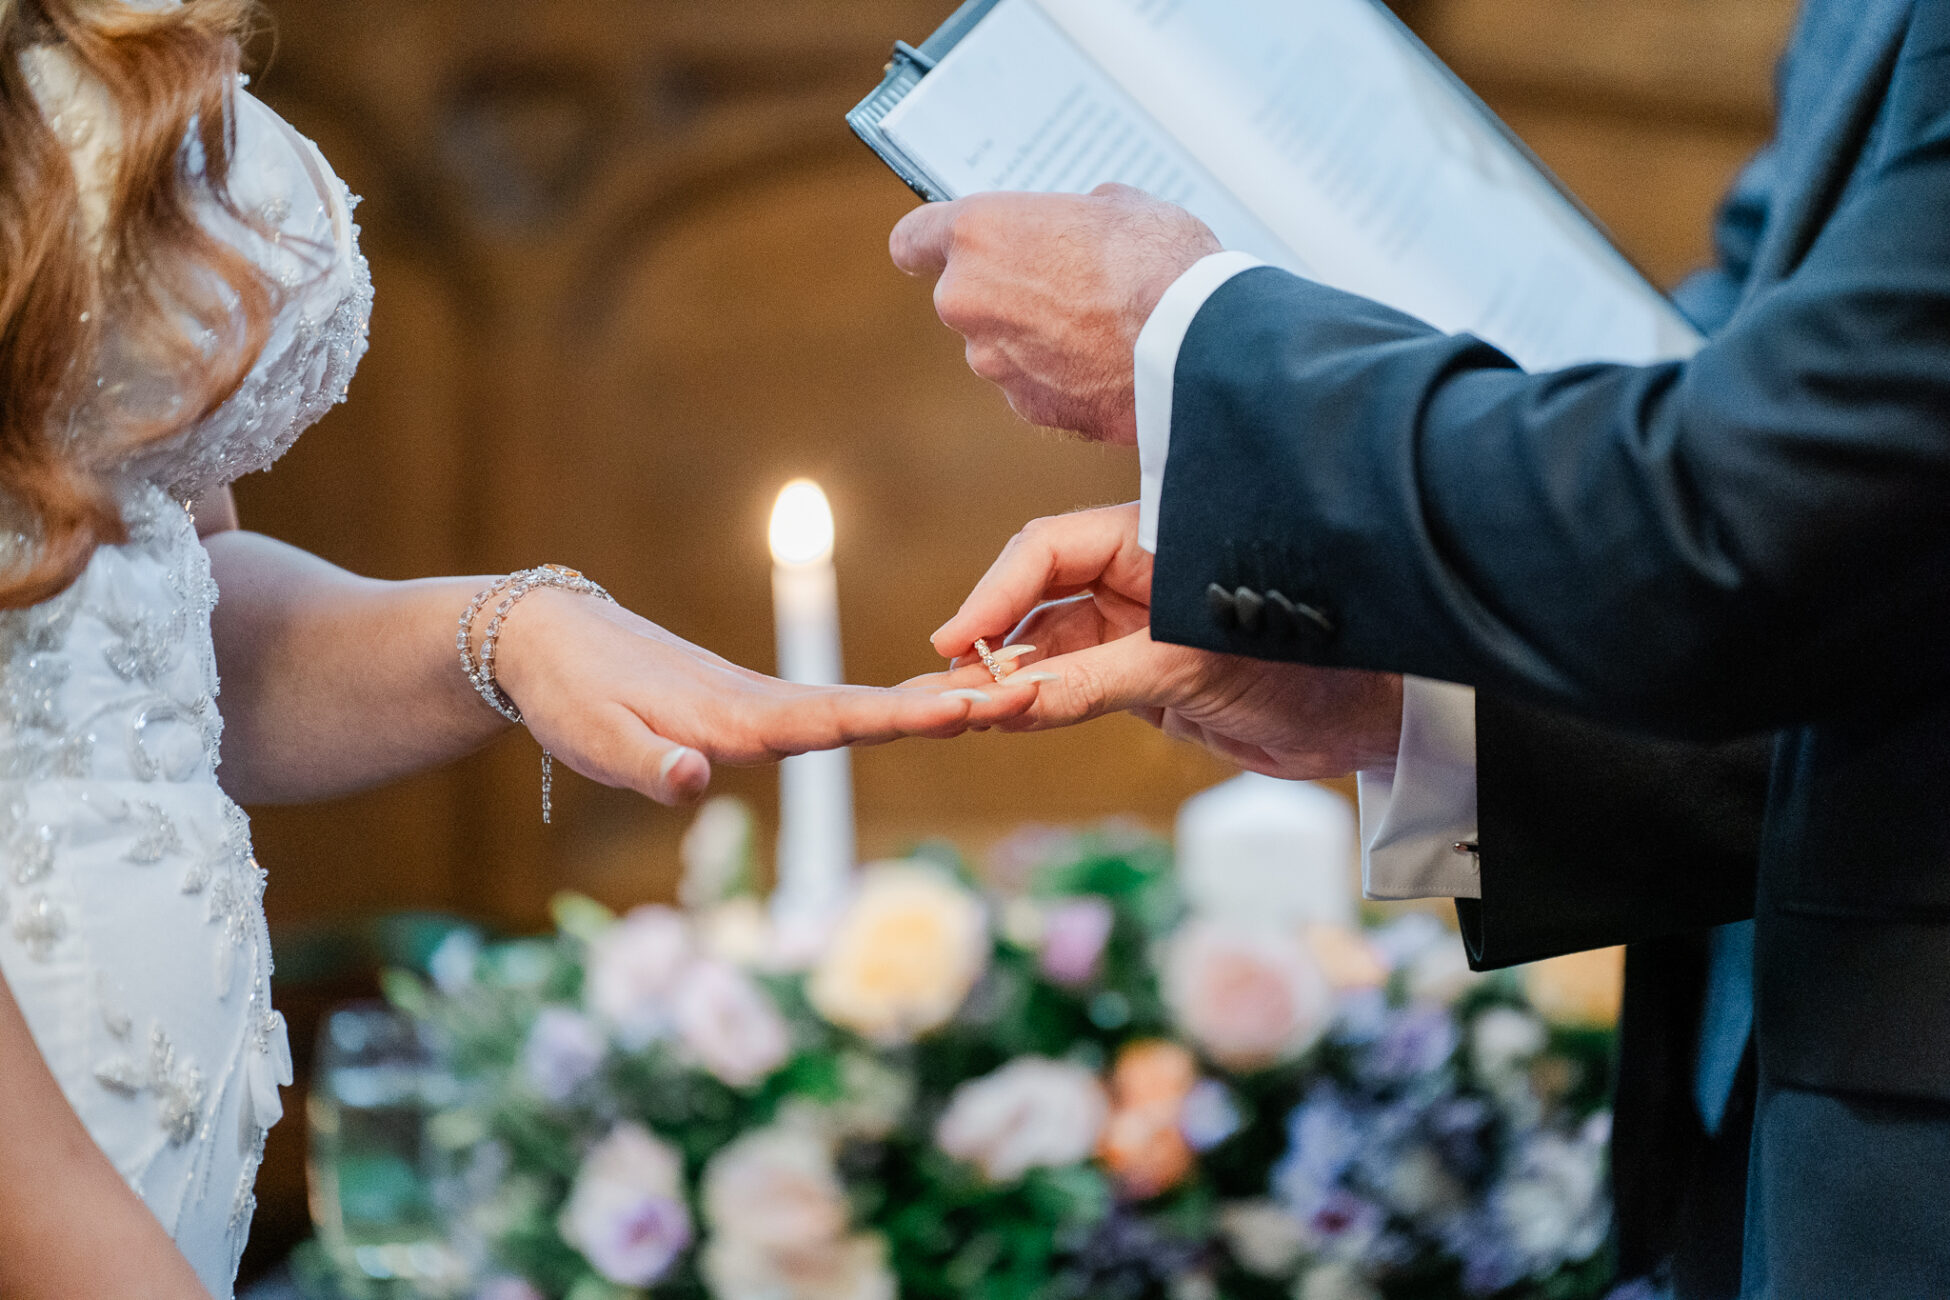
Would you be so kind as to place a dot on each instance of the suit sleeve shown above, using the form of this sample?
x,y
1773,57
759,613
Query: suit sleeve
x,y
1591,837
1707,549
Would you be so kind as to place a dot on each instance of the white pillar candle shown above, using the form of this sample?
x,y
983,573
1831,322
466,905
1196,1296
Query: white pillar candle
x,y
1260,848
815,790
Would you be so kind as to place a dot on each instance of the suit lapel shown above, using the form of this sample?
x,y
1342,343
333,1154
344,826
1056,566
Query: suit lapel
x,y
1818,175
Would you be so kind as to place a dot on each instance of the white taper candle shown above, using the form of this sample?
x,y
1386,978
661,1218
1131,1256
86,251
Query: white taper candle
x,y
815,790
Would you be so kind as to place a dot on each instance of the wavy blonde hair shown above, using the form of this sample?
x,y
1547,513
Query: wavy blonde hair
x,y
151,291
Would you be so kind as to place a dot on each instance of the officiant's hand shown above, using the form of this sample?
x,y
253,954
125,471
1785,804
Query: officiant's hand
x,y
627,703
1051,291
1078,588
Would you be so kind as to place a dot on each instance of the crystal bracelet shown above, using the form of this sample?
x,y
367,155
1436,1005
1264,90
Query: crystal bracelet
x,y
480,670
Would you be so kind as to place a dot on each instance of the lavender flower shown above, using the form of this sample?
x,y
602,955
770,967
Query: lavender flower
x,y
1208,1116
1416,1041
562,1052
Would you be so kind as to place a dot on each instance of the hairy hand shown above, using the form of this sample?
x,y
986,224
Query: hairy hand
x,y
623,702
1051,291
1078,588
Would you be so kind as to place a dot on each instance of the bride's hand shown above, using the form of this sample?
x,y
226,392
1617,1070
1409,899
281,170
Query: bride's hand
x,y
623,702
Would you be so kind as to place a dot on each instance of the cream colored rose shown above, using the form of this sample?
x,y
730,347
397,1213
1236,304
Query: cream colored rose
x,y
851,1268
740,931
776,1188
781,1228
1249,996
1032,1113
906,952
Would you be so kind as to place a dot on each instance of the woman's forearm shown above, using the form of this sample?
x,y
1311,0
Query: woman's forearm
x,y
69,1225
333,682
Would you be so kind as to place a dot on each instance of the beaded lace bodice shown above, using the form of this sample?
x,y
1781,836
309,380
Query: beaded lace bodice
x,y
131,917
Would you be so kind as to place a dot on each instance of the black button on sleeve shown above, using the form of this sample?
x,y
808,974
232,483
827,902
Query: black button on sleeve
x,y
1219,601
1251,607
1281,619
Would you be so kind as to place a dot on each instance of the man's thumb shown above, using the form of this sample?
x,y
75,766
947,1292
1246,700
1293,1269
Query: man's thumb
x,y
919,243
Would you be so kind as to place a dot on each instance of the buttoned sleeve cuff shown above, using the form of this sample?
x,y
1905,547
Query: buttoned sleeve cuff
x,y
1157,363
1413,817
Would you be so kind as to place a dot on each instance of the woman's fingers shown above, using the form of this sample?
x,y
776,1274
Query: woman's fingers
x,y
811,718
1048,560
620,749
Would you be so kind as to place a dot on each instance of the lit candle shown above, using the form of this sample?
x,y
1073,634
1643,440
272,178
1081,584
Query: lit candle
x,y
815,790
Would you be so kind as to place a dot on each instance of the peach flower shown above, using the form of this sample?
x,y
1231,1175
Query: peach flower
x,y
1346,957
1249,997
907,952
1143,1143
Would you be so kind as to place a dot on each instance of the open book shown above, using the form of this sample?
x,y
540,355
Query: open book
x,y
1317,135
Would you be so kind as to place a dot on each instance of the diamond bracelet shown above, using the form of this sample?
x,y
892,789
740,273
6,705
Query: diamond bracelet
x,y
480,670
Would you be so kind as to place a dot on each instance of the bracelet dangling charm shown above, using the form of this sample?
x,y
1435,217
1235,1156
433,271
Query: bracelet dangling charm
x,y
480,669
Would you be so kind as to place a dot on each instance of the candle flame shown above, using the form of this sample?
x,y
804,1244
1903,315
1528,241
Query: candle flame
x,y
802,524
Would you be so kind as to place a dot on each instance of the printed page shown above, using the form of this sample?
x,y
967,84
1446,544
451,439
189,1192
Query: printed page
x,y
1017,106
1362,156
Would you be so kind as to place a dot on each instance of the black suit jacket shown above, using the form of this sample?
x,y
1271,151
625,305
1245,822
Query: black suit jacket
x,y
1757,539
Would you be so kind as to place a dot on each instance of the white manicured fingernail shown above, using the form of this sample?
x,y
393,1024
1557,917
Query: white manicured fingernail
x,y
1015,651
1033,679
671,760
968,693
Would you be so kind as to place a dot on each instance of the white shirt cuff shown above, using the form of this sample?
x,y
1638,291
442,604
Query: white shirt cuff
x,y
1413,817
1157,366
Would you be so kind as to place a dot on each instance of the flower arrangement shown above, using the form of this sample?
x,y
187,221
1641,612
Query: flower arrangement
x,y
1077,1086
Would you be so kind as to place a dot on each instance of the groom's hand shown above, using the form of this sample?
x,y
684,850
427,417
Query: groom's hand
x,y
1078,588
1051,291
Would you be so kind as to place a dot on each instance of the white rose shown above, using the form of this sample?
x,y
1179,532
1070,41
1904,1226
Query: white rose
x,y
729,1023
1264,1236
1032,1113
1503,1040
1335,1282
1440,973
716,853
633,971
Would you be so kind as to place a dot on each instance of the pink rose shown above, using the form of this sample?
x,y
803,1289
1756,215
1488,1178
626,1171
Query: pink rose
x,y
633,972
730,1024
1074,934
1248,996
626,1212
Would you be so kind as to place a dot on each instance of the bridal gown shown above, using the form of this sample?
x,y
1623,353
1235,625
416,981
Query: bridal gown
x,y
131,917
